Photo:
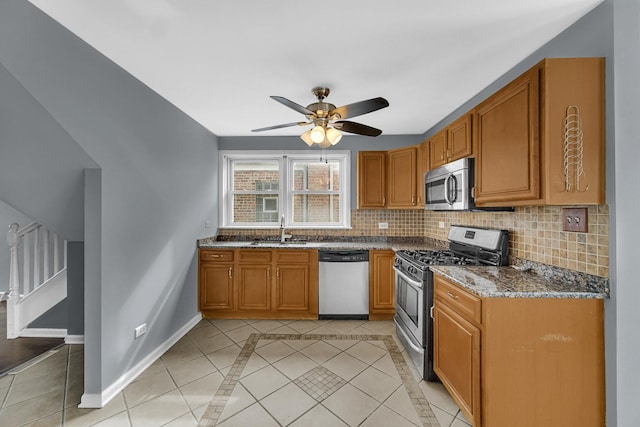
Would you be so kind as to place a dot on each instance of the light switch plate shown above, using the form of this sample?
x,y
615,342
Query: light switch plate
x,y
575,219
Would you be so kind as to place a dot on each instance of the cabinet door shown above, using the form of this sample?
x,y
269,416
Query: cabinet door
x,y
438,149
423,167
381,283
459,139
402,178
216,286
508,151
254,287
456,359
292,288
577,82
372,179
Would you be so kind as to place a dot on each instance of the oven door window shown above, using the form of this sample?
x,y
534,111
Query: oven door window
x,y
409,301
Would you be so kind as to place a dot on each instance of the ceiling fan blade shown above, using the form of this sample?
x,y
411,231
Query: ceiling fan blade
x,y
359,128
359,108
299,108
286,125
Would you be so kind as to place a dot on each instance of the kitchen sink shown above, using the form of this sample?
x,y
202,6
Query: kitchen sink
x,y
273,243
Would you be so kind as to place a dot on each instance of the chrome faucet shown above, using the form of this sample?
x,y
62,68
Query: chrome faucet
x,y
283,235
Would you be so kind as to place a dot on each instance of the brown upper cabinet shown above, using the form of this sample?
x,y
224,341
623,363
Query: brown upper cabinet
x,y
540,139
372,179
402,174
388,179
451,143
423,167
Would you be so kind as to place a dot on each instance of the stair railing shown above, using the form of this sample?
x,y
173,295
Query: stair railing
x,y
38,256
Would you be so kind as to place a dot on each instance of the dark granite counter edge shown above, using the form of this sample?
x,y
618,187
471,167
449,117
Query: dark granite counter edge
x,y
325,242
483,287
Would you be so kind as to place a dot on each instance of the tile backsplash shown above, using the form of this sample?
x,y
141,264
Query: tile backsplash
x,y
535,233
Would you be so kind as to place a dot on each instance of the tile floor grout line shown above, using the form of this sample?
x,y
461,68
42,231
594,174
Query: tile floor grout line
x,y
13,377
66,382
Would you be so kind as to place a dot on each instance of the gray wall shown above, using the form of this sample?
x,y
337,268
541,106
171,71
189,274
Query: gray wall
x,y
40,164
353,143
54,318
157,185
8,215
623,316
75,288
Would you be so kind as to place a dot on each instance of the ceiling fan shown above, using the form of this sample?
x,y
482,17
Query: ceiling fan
x,y
328,120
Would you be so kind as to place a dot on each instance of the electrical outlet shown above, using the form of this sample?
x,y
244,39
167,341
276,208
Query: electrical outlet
x,y
383,225
441,224
140,331
207,224
575,219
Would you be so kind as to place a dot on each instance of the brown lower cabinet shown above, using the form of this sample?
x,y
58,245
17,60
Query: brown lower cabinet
x,y
258,283
381,285
525,362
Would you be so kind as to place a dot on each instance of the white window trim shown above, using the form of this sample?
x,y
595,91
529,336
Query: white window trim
x,y
285,192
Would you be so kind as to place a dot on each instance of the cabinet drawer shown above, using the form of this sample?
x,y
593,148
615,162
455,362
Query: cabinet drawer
x,y
464,303
251,255
216,255
294,256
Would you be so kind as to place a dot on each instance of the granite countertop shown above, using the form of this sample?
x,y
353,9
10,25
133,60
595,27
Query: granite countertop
x,y
526,279
364,242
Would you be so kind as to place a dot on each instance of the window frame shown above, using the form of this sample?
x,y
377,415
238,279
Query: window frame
x,y
285,192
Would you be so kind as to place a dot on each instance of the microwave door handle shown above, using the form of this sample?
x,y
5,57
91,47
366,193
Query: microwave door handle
x,y
446,189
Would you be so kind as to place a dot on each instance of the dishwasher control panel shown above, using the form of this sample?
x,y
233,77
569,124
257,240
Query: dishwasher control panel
x,y
343,256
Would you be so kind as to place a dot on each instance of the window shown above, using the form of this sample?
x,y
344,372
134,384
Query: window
x,y
259,188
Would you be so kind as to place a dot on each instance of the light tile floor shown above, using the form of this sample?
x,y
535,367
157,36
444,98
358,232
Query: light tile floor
x,y
318,379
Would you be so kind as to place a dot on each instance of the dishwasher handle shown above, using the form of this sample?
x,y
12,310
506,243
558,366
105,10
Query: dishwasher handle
x,y
343,256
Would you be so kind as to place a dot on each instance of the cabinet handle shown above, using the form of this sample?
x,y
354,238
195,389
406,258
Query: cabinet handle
x,y
215,256
431,312
448,154
413,200
277,274
384,201
268,273
441,156
230,272
452,295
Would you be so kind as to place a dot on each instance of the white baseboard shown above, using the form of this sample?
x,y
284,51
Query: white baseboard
x,y
74,339
99,400
43,333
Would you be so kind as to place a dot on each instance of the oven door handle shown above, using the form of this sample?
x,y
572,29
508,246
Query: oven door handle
x,y
411,281
408,339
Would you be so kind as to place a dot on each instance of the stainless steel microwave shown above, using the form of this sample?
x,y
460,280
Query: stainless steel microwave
x,y
448,187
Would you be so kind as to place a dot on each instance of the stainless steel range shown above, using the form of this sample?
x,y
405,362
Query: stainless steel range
x,y
414,285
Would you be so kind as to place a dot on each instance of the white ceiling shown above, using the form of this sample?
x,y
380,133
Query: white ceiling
x,y
219,61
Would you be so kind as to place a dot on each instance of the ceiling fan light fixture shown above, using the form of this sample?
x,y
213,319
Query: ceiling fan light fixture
x,y
306,137
325,144
317,134
333,136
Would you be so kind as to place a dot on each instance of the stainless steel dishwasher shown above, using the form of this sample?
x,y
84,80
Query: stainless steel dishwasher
x,y
343,284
